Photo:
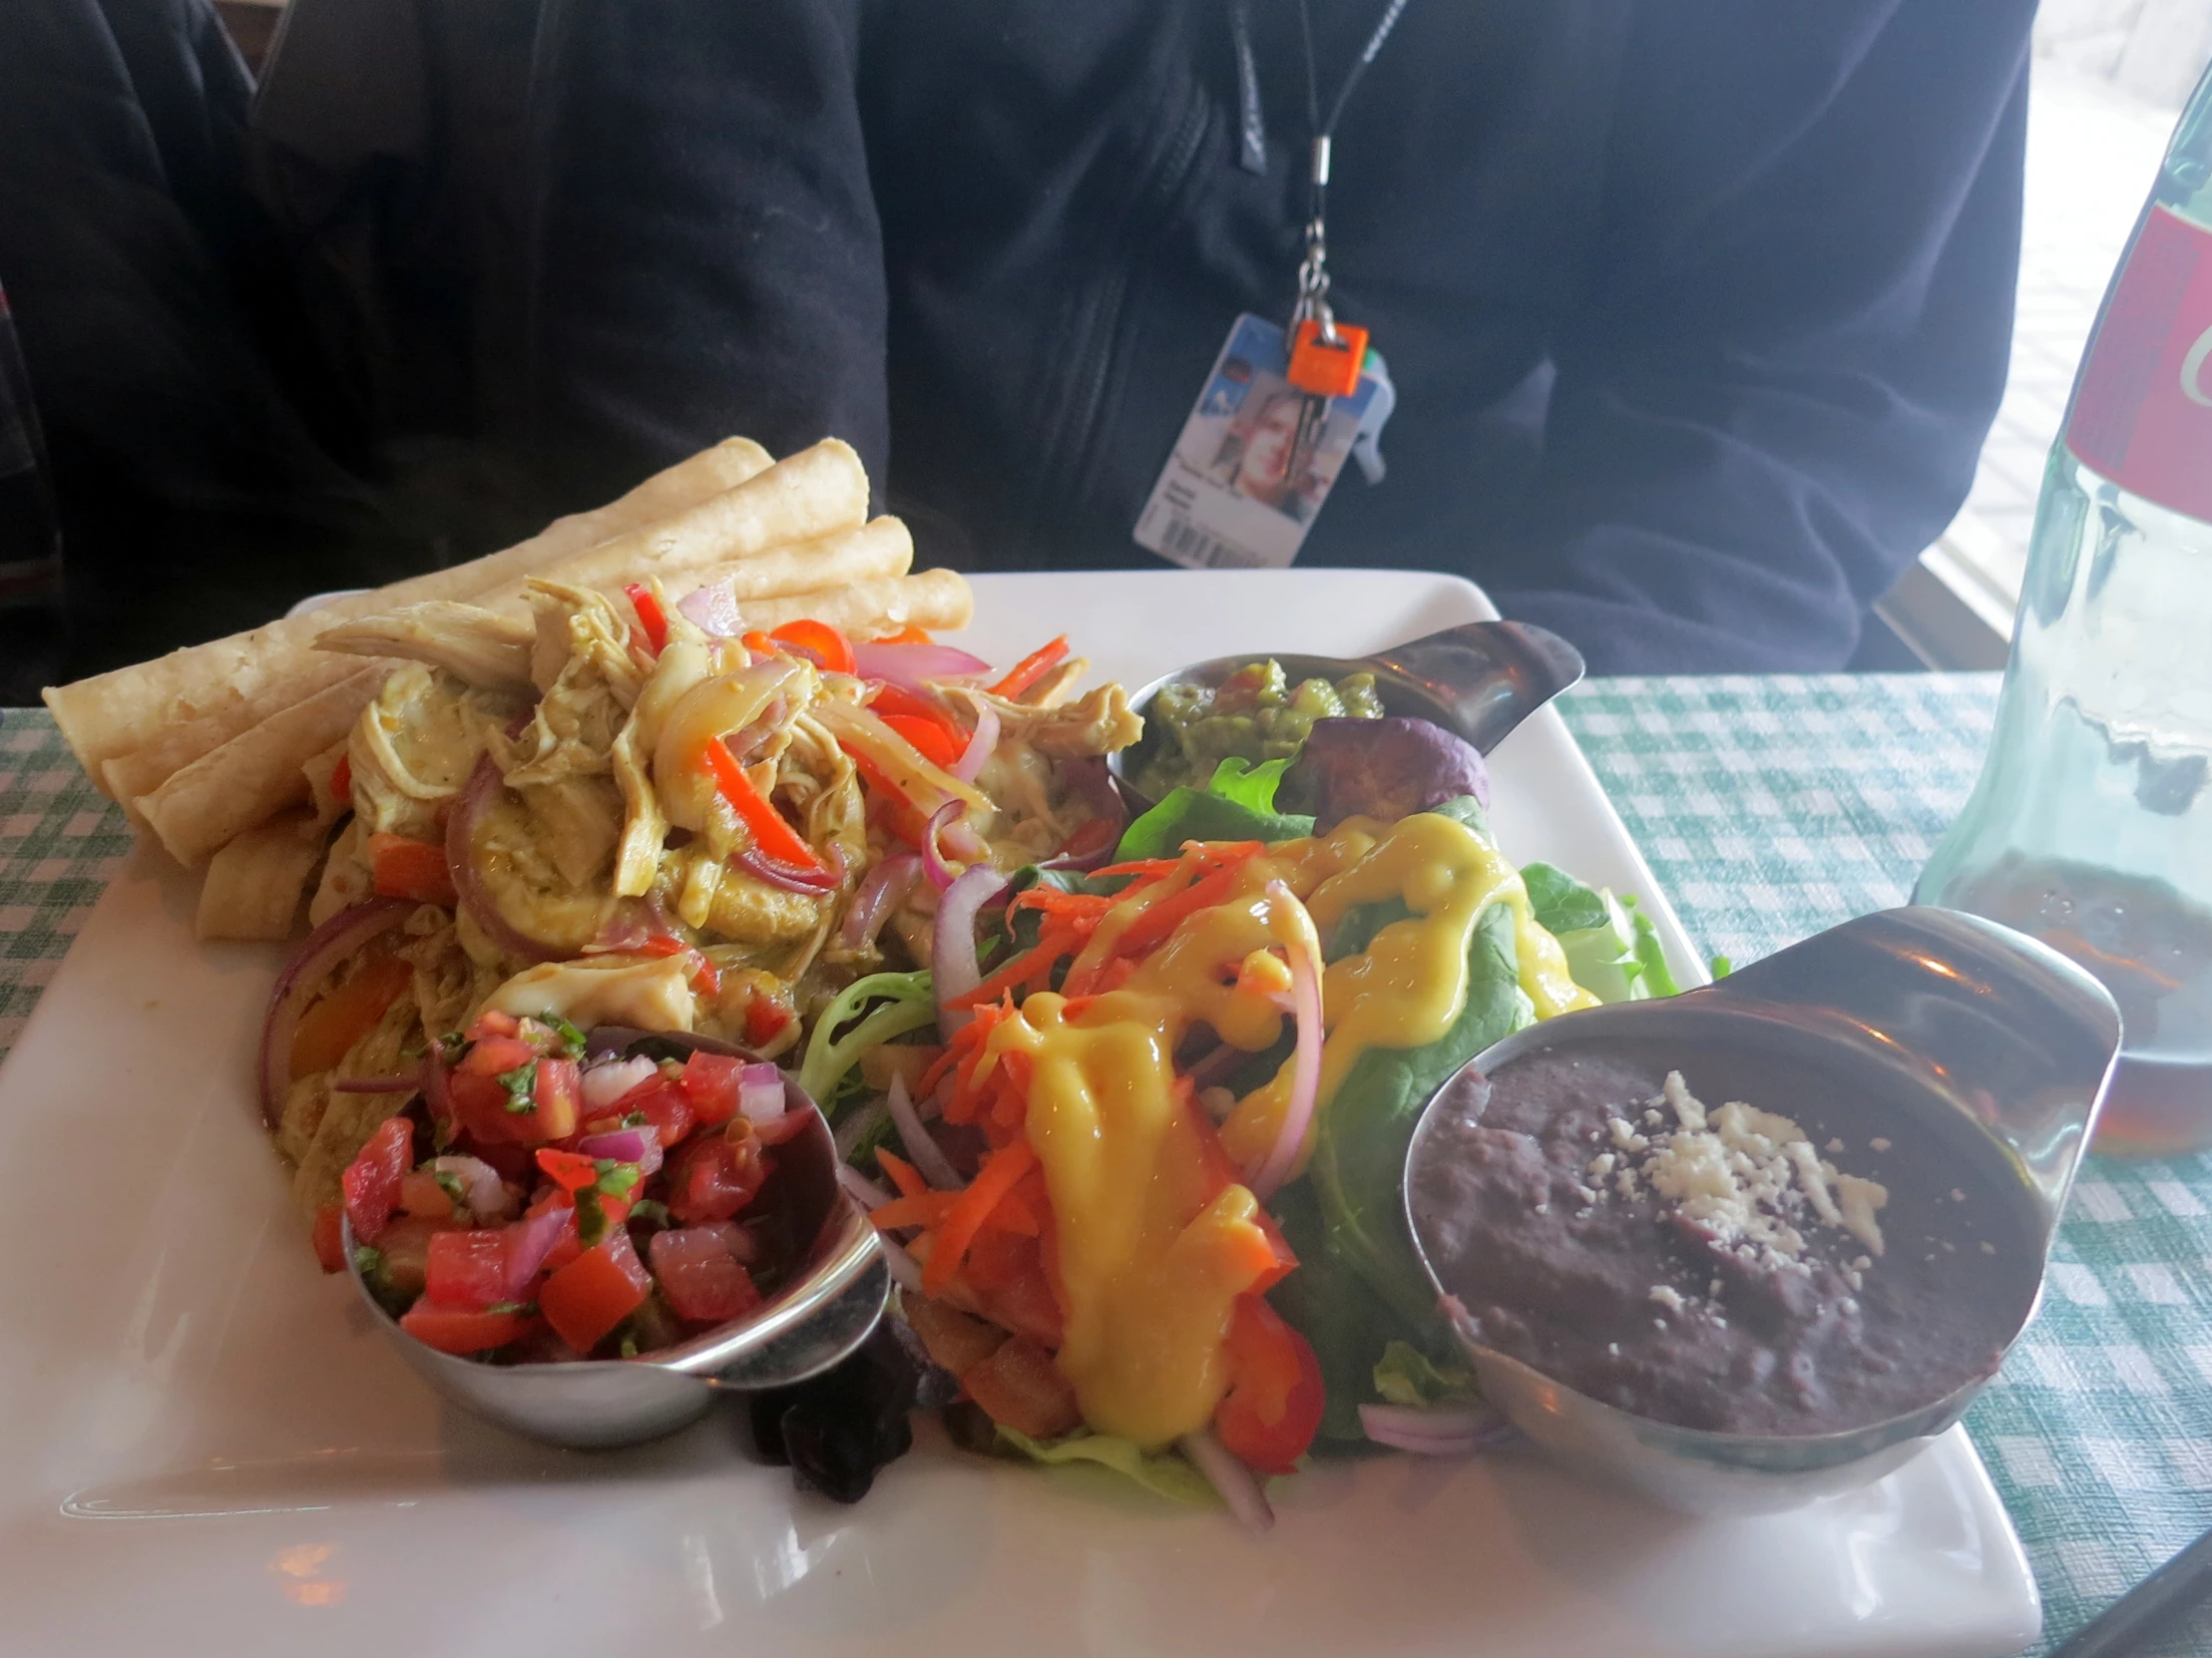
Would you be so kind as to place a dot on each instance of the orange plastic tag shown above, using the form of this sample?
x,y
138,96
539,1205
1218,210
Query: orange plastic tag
x,y
1323,369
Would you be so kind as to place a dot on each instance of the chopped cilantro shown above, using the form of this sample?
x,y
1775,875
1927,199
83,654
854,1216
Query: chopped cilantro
x,y
368,1260
616,1179
591,1218
450,1184
628,1348
454,1047
527,1309
517,1083
635,1119
572,1040
651,1211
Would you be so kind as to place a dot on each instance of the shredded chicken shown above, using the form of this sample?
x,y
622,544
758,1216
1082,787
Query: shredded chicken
x,y
476,646
1097,723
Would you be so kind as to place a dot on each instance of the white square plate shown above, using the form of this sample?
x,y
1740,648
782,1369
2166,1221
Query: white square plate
x,y
203,1446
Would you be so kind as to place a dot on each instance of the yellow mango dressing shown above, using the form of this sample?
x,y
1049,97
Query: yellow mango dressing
x,y
1150,1265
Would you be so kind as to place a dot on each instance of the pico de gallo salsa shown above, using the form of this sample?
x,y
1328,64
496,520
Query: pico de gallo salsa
x,y
560,1198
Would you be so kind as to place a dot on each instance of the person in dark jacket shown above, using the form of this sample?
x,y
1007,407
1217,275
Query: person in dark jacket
x,y
1697,315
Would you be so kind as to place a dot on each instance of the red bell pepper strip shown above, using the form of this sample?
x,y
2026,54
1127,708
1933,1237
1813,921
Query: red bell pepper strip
x,y
1032,668
651,615
777,839
830,650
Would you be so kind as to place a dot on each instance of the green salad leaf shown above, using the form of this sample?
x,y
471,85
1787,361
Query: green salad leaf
x,y
1238,804
1406,1375
1165,1474
1612,949
870,1011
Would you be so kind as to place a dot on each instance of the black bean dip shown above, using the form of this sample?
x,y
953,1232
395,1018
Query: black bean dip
x,y
1692,1265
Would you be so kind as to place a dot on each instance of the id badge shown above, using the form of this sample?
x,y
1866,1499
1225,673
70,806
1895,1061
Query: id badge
x,y
1234,492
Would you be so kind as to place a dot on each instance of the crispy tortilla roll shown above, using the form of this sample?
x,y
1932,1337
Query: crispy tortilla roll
x,y
253,885
814,493
256,773
190,703
878,549
932,599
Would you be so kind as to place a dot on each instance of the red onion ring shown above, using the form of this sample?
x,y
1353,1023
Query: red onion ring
x,y
754,863
1237,1484
317,957
913,666
861,1189
713,610
1443,1431
954,970
922,1149
883,892
933,861
980,744
477,794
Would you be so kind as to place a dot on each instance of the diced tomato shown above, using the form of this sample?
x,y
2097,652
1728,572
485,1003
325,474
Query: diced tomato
x,y
713,1179
572,1171
404,868
480,1109
932,740
1094,836
710,1086
405,1247
699,1277
666,1106
818,640
492,1022
1273,1407
329,1238
595,1292
496,1055
462,1330
1020,1386
420,1194
766,1018
334,1023
473,1268
559,1096
371,1180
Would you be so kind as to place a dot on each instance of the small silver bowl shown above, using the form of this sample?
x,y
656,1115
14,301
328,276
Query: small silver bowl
x,y
1997,1046
1480,681
831,1302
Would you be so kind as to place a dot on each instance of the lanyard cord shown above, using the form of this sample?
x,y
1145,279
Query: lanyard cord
x,y
1324,132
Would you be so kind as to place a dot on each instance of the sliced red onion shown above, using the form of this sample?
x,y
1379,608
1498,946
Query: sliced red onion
x,y
980,744
605,1084
437,1086
635,924
914,665
882,893
477,794
317,958
1443,1431
481,1187
760,1094
940,873
922,1149
785,876
906,1272
410,1083
954,970
861,1189
641,1147
540,1234
1236,1483
713,610
1306,1077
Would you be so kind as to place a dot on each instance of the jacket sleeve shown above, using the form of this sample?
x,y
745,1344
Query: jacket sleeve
x,y
705,257
1796,339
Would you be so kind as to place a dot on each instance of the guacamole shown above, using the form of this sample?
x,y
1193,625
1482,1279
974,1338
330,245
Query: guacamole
x,y
1255,715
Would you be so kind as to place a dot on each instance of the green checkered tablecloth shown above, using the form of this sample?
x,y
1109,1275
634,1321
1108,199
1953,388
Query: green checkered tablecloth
x,y
1770,808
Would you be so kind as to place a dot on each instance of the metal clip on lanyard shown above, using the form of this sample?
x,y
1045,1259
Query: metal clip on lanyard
x,y
1325,355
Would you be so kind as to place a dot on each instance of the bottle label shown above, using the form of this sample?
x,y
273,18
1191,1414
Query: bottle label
x,y
2143,413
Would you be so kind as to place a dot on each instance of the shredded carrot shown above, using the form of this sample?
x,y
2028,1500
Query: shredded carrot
x,y
1142,866
1164,915
903,1173
964,1218
922,1209
1053,901
1029,969
1031,668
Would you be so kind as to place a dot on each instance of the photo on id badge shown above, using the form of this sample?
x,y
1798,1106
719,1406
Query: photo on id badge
x,y
1233,491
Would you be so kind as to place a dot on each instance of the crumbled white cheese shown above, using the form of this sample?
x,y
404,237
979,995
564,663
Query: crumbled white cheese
x,y
1987,1248
1879,1144
1747,1177
1601,1165
1667,1296
1958,1196
1833,1145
